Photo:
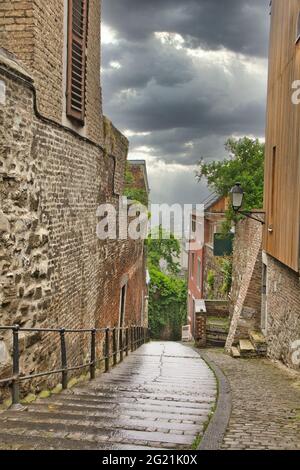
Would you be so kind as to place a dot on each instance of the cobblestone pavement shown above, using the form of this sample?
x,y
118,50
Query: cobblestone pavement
x,y
265,404
158,398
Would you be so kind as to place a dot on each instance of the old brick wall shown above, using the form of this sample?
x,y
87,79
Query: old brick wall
x,y
54,270
283,312
245,297
35,31
217,308
17,28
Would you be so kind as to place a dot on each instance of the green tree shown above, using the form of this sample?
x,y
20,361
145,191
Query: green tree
x,y
163,246
167,306
245,164
168,293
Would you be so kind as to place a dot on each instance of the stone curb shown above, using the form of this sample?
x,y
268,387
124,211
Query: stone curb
x,y
215,432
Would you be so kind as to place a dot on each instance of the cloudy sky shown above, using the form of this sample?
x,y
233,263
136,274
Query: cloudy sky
x,y
179,78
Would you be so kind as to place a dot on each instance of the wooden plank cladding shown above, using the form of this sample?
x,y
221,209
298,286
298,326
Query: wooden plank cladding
x,y
282,166
77,35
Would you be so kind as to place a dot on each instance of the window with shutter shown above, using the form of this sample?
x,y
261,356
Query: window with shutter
x,y
77,35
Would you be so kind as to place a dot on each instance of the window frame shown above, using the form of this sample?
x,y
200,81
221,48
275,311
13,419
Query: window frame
x,y
76,114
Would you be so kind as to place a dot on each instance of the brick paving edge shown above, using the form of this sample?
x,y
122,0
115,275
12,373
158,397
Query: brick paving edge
x,y
215,431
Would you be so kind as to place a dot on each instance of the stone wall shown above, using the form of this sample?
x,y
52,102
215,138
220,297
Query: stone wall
x,y
212,264
35,31
283,312
54,271
245,297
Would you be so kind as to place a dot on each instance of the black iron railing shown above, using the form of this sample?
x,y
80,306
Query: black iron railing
x,y
117,342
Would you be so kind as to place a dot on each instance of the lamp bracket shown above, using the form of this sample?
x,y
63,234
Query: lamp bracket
x,y
250,216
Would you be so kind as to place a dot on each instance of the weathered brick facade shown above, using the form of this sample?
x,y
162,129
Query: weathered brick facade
x,y
54,271
282,311
36,32
245,297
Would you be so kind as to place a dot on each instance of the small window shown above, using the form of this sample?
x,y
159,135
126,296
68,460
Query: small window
x,y
77,35
194,226
298,30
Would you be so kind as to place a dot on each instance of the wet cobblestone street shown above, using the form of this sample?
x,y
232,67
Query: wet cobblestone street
x,y
265,404
160,397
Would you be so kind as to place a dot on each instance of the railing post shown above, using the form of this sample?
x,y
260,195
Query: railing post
x,y
115,352
127,341
135,338
121,344
107,349
93,355
132,338
15,391
64,362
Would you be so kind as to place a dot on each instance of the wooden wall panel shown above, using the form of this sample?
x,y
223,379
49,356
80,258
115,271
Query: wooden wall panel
x,y
282,192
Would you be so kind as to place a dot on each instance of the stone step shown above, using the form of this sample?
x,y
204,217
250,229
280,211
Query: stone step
x,y
149,405
100,423
235,352
246,348
259,341
122,414
94,406
10,441
102,440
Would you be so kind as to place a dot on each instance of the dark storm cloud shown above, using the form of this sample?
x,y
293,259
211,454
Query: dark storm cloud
x,y
188,103
238,25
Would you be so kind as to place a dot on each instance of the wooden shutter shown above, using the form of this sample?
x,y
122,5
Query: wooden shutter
x,y
77,35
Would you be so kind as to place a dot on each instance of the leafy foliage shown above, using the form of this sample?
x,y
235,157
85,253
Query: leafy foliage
x,y
168,293
160,247
167,306
226,269
211,283
245,164
133,193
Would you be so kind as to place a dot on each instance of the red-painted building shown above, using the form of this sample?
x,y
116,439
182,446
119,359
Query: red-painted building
x,y
201,252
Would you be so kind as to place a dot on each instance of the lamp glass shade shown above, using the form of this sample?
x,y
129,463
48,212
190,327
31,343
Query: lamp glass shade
x,y
237,195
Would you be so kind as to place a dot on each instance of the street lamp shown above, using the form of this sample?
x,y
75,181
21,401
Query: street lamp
x,y
237,197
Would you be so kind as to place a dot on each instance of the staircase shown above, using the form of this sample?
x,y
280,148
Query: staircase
x,y
254,346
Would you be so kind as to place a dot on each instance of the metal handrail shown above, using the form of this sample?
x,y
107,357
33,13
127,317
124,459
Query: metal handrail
x,y
134,336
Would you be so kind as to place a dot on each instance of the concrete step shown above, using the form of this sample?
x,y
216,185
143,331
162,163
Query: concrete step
x,y
246,348
235,352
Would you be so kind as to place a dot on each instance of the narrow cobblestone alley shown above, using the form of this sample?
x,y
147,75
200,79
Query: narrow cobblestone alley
x,y
265,404
161,396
